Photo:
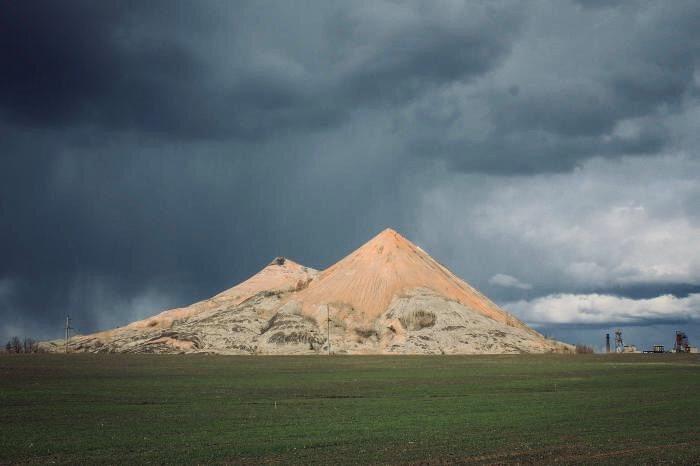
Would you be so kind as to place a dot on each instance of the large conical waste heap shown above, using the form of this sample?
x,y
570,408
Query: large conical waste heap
x,y
388,296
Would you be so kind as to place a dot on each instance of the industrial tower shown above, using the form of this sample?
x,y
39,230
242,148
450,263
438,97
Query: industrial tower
x,y
619,346
681,344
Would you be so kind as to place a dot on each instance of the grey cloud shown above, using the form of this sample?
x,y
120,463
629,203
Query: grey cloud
x,y
430,46
550,108
618,227
598,309
508,281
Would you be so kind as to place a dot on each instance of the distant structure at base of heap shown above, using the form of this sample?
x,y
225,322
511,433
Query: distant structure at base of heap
x,y
680,345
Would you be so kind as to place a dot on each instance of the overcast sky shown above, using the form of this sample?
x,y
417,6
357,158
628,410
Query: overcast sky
x,y
155,153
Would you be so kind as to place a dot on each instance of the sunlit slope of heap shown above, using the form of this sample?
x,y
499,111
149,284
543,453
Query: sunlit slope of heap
x,y
281,274
388,296
159,333
363,285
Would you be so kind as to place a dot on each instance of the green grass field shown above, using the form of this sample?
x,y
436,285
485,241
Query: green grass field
x,y
121,409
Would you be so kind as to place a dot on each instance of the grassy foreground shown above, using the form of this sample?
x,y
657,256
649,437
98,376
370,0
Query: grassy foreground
x,y
121,409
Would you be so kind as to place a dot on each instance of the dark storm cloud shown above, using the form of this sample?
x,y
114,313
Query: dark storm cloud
x,y
90,230
535,151
153,153
121,66
69,63
202,71
157,67
425,51
599,3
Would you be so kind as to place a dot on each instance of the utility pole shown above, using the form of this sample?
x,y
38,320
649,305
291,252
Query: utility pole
x,y
328,318
68,329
